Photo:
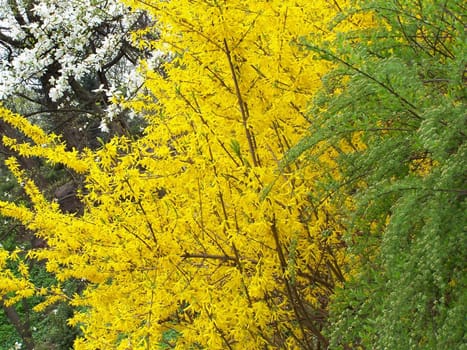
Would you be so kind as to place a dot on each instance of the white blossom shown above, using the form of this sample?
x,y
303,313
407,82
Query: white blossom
x,y
62,33
103,127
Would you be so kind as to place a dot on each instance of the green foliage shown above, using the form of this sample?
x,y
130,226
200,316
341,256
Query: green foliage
x,y
169,339
52,330
400,88
8,334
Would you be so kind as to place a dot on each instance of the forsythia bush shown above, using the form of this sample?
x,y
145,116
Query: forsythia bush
x,y
196,235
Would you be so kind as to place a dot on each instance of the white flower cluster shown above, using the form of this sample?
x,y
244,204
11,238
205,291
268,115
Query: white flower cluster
x,y
82,36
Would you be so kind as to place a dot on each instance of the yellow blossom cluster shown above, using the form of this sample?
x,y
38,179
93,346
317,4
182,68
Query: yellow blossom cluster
x,y
194,230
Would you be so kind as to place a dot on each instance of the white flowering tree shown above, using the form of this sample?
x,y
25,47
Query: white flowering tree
x,y
62,59
60,64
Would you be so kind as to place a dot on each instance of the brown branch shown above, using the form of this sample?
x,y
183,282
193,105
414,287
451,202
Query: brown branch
x,y
288,287
208,256
140,205
243,106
